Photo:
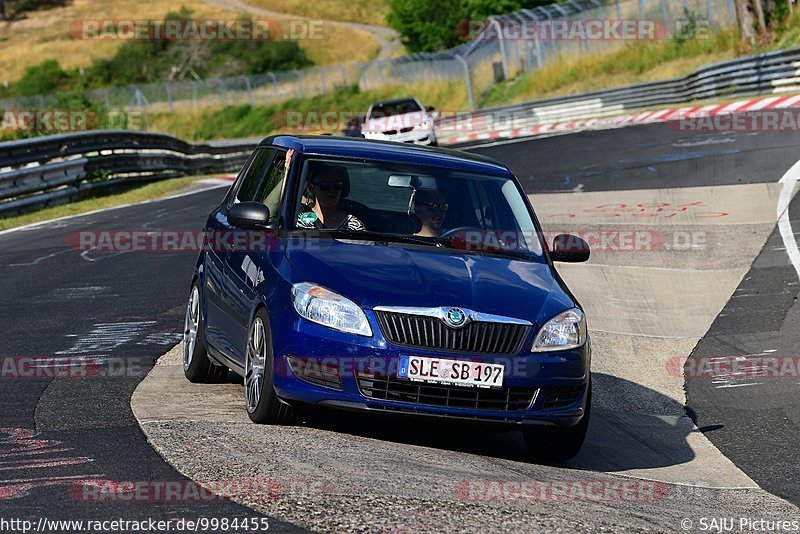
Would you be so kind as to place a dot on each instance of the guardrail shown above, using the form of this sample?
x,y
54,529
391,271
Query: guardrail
x,y
768,73
39,172
44,171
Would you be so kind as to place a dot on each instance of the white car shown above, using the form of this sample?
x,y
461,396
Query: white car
x,y
404,120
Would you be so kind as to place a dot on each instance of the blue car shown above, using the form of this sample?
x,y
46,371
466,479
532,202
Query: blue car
x,y
385,278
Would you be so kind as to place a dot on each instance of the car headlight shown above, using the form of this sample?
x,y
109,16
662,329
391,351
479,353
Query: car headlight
x,y
322,306
567,330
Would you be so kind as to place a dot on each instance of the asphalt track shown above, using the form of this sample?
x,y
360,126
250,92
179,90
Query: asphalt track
x,y
58,303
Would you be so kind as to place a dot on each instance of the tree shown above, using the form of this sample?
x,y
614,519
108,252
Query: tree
x,y
2,10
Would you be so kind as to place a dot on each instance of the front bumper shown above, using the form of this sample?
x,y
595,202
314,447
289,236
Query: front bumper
x,y
361,375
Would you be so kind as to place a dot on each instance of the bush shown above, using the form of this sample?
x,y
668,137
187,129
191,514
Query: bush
x,y
46,77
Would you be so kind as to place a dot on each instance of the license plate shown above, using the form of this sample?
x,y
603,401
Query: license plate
x,y
444,371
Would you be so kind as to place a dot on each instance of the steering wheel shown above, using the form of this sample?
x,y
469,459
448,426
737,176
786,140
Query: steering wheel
x,y
450,233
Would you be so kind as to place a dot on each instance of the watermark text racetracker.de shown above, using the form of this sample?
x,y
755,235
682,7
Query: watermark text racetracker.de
x,y
608,240
611,29
71,367
259,490
559,491
766,120
727,367
195,29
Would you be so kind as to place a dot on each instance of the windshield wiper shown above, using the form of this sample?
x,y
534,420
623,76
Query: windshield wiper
x,y
366,235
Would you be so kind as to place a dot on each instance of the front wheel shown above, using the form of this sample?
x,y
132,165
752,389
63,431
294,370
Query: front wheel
x,y
261,401
558,444
196,366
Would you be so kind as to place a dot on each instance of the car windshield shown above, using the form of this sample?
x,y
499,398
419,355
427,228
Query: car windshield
x,y
389,109
421,205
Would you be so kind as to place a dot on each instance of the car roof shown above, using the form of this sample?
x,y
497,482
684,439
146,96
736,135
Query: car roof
x,y
354,147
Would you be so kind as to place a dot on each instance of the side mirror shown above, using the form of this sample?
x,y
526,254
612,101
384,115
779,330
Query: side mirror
x,y
249,215
430,108
569,248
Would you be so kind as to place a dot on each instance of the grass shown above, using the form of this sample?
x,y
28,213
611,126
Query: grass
x,y
45,34
364,11
151,191
260,121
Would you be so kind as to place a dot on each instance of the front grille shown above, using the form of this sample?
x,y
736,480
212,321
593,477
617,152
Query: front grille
x,y
505,399
316,372
406,130
431,333
390,132
554,398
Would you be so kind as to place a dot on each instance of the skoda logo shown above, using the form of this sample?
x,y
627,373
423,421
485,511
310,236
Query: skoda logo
x,y
456,317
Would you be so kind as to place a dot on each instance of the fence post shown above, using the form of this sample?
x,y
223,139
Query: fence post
x,y
169,97
322,79
503,54
619,9
249,90
139,97
274,83
194,94
222,91
468,80
709,13
641,9
665,13
300,84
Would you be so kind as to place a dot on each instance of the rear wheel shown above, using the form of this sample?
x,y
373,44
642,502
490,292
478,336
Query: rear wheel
x,y
558,444
261,401
196,365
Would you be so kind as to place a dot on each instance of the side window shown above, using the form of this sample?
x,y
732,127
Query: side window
x,y
252,178
271,186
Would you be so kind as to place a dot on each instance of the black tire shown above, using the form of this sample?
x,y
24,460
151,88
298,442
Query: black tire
x,y
263,406
197,367
558,444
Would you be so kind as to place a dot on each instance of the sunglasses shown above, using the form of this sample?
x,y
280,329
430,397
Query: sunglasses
x,y
436,206
328,187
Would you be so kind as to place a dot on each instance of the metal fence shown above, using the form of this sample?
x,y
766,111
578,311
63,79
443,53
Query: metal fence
x,y
56,169
42,171
478,63
763,74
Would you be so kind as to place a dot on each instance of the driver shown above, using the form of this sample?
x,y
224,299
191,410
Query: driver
x,y
430,205
326,185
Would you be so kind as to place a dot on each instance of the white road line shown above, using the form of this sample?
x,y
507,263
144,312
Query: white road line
x,y
784,224
66,217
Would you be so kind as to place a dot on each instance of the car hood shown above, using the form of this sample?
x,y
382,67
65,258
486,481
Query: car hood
x,y
401,275
395,122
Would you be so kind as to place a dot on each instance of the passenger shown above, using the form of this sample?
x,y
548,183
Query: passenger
x,y
430,207
326,185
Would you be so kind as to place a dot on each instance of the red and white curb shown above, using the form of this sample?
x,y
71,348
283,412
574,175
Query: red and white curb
x,y
220,180
643,117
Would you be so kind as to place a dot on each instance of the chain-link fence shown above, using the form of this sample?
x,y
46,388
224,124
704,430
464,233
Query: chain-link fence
x,y
501,48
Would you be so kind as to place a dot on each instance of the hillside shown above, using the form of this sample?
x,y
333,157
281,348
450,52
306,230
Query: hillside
x,y
45,34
